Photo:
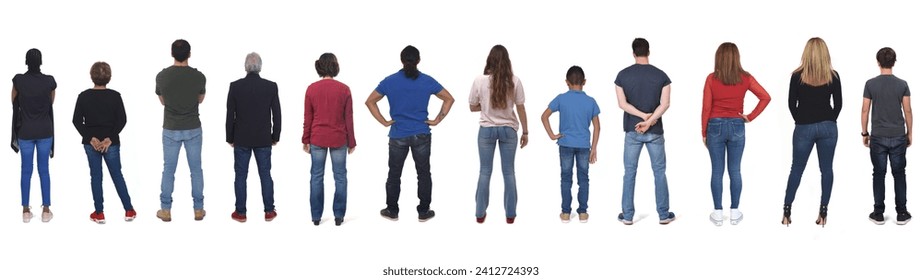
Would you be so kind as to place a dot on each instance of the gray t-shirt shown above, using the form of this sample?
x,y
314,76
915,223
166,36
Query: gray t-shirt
x,y
180,87
886,93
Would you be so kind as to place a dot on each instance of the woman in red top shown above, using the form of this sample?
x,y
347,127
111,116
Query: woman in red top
x,y
723,128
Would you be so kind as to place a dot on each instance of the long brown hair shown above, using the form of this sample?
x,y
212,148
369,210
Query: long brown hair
x,y
500,70
815,64
727,67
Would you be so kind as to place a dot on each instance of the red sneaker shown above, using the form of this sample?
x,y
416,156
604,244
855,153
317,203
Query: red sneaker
x,y
239,217
271,215
98,217
130,215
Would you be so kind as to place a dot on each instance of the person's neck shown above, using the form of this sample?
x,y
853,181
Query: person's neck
x,y
326,78
181,63
886,71
641,60
99,87
576,88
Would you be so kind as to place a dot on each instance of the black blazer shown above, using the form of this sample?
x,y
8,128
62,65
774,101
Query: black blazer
x,y
254,116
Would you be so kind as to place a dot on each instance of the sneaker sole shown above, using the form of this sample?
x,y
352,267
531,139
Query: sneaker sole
x,y
389,218
626,222
666,222
101,222
241,221
736,222
584,221
423,220
876,222
128,219
269,220
903,222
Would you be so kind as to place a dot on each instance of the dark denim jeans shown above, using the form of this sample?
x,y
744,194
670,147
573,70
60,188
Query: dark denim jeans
x,y
894,149
726,138
113,161
824,135
241,168
420,145
567,157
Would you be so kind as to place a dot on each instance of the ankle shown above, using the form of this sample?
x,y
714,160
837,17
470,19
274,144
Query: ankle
x,y
46,209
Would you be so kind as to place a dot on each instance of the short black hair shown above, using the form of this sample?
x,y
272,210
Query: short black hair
x,y
327,65
641,47
181,50
575,75
886,57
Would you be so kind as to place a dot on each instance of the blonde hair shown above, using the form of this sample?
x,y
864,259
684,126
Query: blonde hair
x,y
815,64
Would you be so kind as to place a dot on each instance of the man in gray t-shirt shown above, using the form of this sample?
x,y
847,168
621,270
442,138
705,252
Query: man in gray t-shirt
x,y
181,89
887,99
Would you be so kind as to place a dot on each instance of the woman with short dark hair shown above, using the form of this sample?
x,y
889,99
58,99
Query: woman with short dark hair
x,y
99,116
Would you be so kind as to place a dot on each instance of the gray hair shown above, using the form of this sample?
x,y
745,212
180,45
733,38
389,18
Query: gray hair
x,y
253,63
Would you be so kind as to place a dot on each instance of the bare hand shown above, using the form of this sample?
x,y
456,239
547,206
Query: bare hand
x,y
867,141
433,122
745,117
555,136
273,143
231,144
104,145
351,150
523,141
642,127
592,156
307,148
95,143
908,140
388,123
705,141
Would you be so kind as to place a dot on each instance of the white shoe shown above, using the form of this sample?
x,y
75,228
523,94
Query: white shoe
x,y
717,217
27,216
46,216
735,216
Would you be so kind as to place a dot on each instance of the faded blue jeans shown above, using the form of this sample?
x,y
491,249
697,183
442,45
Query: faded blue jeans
x,y
656,147
318,164
726,138
487,139
173,141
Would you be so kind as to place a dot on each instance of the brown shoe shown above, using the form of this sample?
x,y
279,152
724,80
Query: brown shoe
x,y
583,217
199,214
565,217
164,215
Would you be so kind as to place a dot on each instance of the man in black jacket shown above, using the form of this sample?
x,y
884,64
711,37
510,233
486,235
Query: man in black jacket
x,y
251,102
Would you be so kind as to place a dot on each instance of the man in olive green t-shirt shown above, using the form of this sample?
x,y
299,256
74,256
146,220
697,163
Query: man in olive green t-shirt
x,y
181,89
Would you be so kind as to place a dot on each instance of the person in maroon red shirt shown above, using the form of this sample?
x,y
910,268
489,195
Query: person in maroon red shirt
x,y
723,125
328,128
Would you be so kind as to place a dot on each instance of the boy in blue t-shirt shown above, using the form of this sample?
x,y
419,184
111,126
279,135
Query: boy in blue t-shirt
x,y
576,111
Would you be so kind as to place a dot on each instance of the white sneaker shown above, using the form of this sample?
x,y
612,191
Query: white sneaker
x,y
27,216
735,216
46,216
717,217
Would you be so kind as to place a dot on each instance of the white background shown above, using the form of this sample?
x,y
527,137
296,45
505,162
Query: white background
x,y
544,39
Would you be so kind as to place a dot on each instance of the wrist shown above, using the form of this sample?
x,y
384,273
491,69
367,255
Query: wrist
x,y
865,134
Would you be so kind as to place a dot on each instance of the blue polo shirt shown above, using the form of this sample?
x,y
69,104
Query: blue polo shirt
x,y
409,102
576,112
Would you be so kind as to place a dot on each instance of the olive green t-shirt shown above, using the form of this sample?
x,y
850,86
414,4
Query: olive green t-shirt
x,y
180,87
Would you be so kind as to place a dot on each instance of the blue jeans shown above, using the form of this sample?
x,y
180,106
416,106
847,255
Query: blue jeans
x,y
894,149
173,140
486,144
567,157
114,163
656,147
398,148
825,135
318,164
726,138
27,149
241,170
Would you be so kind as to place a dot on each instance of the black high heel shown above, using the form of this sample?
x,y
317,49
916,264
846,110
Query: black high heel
x,y
822,218
786,220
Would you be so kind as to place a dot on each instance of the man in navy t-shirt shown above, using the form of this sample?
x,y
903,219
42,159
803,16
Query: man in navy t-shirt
x,y
643,94
408,93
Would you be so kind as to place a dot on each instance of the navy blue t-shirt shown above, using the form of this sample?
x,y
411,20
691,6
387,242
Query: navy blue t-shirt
x,y
643,86
409,102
